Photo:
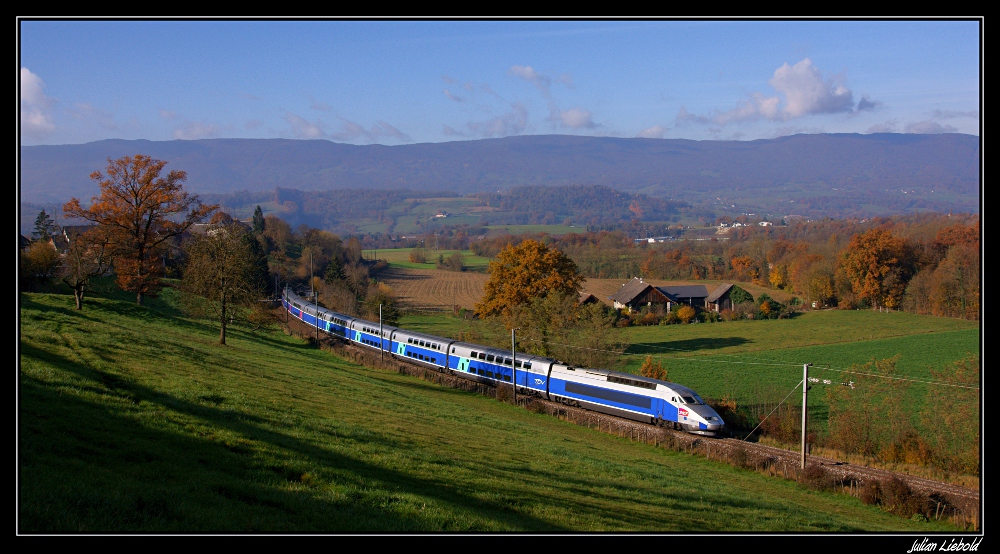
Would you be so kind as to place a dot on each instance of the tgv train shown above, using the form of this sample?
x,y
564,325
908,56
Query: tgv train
x,y
611,392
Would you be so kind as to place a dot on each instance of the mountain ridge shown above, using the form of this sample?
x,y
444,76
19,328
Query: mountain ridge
x,y
689,170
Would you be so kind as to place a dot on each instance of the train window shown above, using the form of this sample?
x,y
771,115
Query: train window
x,y
452,349
506,361
490,357
690,400
482,356
527,365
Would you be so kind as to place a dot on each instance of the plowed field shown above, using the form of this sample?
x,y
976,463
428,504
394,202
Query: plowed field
x,y
436,290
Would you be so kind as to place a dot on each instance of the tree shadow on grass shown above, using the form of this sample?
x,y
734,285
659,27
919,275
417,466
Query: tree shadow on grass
x,y
689,345
104,467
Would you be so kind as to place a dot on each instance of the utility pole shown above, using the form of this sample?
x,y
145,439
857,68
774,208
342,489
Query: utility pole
x,y
805,396
315,297
381,347
513,361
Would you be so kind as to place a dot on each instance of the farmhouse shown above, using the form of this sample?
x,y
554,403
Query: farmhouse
x,y
719,299
636,294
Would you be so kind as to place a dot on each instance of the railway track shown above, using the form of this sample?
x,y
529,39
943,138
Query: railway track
x,y
961,504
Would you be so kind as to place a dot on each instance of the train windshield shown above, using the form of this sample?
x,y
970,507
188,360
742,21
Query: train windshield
x,y
692,400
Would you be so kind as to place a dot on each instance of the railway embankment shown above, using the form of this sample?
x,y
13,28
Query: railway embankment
x,y
908,495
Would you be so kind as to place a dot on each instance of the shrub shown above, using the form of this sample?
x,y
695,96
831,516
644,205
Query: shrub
x,y
504,393
418,256
686,314
816,477
898,498
870,493
649,318
728,315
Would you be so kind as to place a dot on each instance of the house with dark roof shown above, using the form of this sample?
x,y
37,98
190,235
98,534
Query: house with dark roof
x,y
692,295
636,294
67,234
719,299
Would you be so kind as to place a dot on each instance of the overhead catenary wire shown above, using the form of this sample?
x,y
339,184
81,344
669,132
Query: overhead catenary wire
x,y
773,364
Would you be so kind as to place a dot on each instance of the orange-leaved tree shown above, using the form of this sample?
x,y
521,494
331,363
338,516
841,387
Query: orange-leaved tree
x,y
138,210
526,271
878,266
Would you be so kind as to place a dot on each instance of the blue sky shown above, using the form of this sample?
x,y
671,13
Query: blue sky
x,y
399,82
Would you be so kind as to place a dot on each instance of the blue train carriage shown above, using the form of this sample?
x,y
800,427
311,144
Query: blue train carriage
x,y
329,321
495,365
366,333
633,397
420,348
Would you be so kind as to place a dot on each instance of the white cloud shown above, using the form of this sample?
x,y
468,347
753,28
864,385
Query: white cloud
x,y
890,126
452,96
576,118
168,114
655,131
513,122
383,129
807,93
867,104
36,107
196,130
380,130
929,128
529,74
802,91
305,129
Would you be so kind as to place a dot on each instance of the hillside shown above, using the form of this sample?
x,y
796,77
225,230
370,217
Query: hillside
x,y
811,175
133,420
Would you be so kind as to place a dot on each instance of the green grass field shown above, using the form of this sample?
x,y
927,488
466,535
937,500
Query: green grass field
x,y
400,257
759,362
132,419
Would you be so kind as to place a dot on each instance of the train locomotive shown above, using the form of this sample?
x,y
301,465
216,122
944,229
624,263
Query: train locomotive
x,y
620,394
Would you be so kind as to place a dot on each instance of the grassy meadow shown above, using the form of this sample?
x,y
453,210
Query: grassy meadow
x,y
133,419
760,362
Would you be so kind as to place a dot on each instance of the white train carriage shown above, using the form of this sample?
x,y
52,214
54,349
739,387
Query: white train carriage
x,y
633,397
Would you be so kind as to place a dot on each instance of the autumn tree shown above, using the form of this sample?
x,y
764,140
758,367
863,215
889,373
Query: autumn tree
x,y
139,211
38,265
224,269
528,270
88,257
653,370
877,265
